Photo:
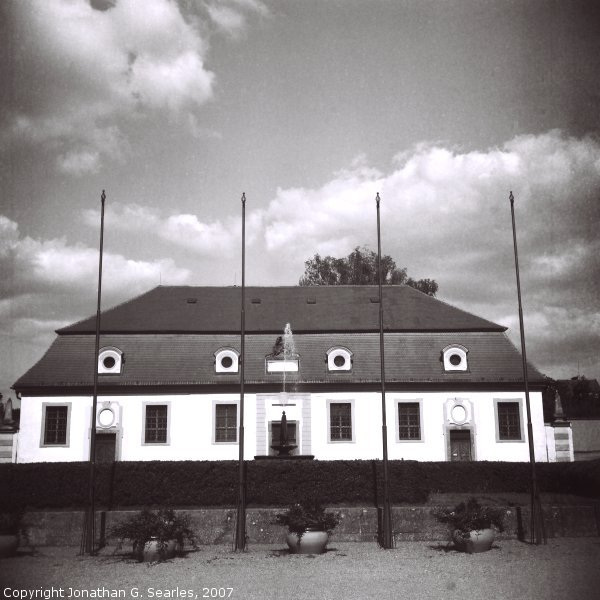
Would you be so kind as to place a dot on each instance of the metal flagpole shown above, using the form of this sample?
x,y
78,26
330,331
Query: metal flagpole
x,y
90,533
386,534
240,536
537,532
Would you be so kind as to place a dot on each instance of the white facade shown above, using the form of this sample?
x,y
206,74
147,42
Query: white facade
x,y
444,424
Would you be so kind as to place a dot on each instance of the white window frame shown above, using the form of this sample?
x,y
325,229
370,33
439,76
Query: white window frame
x,y
451,350
333,353
214,422
418,401
518,401
144,412
352,421
229,353
66,405
110,352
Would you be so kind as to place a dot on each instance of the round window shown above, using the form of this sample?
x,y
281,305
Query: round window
x,y
339,360
226,362
109,362
106,417
459,413
455,360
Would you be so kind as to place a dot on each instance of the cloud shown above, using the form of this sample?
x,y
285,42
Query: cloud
x,y
83,72
32,267
186,231
230,16
48,284
445,215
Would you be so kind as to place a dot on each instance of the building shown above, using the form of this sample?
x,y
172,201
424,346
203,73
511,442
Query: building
x,y
578,406
169,380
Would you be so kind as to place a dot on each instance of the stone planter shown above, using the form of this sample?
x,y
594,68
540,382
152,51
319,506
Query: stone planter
x,y
152,550
8,545
480,540
311,542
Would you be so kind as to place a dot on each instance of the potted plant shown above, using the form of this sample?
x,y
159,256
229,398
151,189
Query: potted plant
x,y
472,526
156,535
11,529
308,526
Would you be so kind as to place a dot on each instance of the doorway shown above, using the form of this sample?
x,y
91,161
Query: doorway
x,y
460,445
275,433
106,447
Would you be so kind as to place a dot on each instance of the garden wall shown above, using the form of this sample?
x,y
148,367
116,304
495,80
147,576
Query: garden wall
x,y
357,524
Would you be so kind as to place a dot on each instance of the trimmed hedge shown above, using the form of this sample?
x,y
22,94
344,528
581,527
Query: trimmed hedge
x,y
278,482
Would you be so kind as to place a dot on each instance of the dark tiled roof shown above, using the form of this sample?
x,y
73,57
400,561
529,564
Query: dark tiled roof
x,y
268,309
188,360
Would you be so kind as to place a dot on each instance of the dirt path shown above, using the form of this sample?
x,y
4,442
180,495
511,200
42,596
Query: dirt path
x,y
564,569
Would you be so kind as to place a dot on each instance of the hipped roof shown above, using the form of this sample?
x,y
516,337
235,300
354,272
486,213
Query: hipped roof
x,y
187,360
185,309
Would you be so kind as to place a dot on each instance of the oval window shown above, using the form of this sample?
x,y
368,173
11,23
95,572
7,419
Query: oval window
x,y
459,413
339,361
109,362
106,417
455,359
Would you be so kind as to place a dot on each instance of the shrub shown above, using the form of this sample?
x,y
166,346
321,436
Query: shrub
x,y
307,515
470,516
162,525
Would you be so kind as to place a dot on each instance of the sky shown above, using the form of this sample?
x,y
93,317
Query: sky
x,y
310,108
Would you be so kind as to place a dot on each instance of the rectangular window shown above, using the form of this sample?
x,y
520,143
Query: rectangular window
x,y
226,423
409,421
156,424
55,426
340,421
509,421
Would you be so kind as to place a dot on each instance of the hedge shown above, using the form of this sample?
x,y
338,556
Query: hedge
x,y
277,482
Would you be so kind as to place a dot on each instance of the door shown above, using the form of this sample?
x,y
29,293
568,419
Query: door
x,y
106,447
460,445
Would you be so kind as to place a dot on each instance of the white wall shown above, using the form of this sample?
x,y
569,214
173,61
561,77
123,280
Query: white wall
x,y
30,434
191,427
433,445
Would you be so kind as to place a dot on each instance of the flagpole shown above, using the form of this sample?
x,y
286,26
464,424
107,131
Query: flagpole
x,y
386,534
240,536
537,533
90,533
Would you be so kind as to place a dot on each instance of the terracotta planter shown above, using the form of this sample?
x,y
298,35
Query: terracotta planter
x,y
480,540
311,542
8,545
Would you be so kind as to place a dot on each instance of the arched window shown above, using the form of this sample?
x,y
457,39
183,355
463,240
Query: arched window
x,y
339,359
226,361
454,358
110,361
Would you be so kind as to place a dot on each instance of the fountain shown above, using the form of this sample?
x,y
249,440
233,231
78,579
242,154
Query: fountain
x,y
284,447
284,359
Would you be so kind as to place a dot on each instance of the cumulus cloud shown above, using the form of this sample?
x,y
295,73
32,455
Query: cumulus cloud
x,y
48,284
186,231
32,266
445,214
84,71
230,16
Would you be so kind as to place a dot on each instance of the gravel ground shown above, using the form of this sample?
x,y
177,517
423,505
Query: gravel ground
x,y
564,569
